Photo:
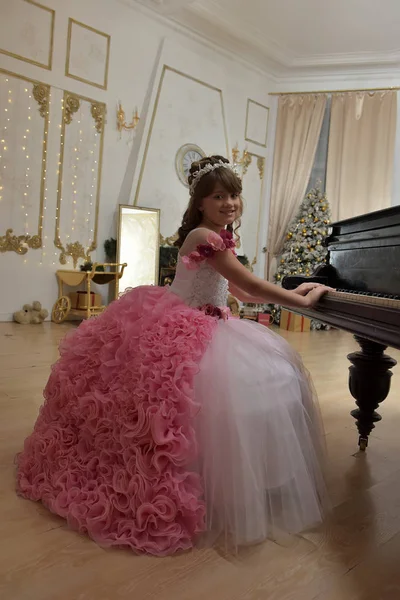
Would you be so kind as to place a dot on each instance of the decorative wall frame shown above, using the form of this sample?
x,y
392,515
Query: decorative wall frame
x,y
71,105
103,40
260,161
218,101
44,65
9,241
167,69
253,111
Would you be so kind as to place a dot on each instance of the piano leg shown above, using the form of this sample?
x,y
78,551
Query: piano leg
x,y
369,384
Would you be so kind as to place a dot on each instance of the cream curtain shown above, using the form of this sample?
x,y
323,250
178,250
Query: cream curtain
x,y
298,128
361,152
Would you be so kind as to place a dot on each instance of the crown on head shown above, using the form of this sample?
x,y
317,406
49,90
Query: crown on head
x,y
207,169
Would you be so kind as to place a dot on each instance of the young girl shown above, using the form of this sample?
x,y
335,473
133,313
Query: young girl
x,y
166,421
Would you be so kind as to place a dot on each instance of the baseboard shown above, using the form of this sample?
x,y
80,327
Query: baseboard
x,y
5,317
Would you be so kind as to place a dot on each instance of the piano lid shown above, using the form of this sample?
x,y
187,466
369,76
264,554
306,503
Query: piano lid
x,y
364,253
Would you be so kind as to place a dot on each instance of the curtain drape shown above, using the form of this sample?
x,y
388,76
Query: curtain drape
x,y
298,129
361,152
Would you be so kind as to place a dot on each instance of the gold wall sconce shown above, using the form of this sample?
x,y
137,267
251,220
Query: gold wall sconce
x,y
243,161
121,122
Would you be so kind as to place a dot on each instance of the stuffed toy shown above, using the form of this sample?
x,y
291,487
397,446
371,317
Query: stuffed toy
x,y
31,314
233,305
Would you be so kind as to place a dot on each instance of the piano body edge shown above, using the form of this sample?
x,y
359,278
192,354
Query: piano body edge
x,y
371,268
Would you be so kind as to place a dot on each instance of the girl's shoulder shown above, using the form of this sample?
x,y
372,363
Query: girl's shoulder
x,y
202,244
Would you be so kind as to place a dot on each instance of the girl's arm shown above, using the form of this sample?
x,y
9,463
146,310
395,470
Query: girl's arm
x,y
243,297
242,279
302,290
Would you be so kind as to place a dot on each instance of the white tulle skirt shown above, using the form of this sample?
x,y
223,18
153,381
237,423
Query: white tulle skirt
x,y
260,434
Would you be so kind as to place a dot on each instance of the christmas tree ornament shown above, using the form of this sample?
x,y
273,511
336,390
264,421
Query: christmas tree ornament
x,y
303,251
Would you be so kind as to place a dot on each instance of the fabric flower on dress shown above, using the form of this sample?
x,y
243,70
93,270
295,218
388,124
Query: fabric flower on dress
x,y
227,238
215,243
219,312
193,260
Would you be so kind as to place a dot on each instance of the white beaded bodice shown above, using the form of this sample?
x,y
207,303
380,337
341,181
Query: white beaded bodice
x,y
200,286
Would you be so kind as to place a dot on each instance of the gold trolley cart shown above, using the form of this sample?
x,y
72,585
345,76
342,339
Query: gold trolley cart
x,y
73,278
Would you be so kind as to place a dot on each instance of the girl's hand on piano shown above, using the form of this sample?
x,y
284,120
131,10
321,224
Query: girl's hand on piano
x,y
305,288
315,295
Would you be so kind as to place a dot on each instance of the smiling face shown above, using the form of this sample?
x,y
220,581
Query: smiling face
x,y
221,207
217,198
215,201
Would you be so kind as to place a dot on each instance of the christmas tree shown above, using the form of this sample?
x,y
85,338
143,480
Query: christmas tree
x,y
303,250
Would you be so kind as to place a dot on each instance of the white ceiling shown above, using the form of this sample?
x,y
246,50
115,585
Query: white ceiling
x,y
296,36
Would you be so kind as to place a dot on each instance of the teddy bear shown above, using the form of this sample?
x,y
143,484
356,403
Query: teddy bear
x,y
31,314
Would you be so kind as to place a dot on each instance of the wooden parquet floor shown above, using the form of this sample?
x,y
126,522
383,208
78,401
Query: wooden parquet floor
x,y
355,555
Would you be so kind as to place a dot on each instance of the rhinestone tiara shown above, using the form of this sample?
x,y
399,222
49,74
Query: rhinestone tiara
x,y
207,169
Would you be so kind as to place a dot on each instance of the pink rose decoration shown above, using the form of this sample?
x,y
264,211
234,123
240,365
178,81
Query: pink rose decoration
x,y
215,243
227,238
192,261
205,251
215,311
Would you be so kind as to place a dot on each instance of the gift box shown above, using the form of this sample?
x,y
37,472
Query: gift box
x,y
264,319
79,300
292,322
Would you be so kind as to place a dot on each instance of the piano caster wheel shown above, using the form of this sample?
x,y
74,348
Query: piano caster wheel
x,y
363,443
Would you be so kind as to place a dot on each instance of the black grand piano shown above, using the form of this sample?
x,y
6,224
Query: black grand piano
x,y
363,265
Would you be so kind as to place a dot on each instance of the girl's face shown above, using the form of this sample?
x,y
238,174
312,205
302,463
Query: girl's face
x,y
220,208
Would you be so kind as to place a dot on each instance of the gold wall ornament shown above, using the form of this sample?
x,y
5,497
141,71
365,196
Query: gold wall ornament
x,y
41,93
73,249
261,166
121,119
243,161
19,243
168,241
71,106
98,112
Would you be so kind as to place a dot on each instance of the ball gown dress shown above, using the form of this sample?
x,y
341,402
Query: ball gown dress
x,y
167,423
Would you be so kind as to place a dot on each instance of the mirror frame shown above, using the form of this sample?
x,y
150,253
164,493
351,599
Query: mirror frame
x,y
144,209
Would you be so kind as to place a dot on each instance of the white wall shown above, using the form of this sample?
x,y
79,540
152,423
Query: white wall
x,y
135,39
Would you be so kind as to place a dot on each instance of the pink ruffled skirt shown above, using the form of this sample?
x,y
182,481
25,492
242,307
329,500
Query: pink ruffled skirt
x,y
163,427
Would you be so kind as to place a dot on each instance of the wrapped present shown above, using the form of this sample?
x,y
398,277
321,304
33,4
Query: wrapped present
x,y
292,322
264,319
79,300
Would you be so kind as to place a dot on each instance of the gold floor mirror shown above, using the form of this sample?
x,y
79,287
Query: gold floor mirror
x,y
138,246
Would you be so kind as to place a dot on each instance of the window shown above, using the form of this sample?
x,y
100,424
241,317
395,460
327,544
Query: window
x,y
318,173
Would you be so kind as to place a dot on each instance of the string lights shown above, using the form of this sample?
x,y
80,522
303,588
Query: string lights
x,y
20,152
94,180
44,238
25,165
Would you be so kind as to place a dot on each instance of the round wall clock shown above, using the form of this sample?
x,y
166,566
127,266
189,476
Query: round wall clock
x,y
185,156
